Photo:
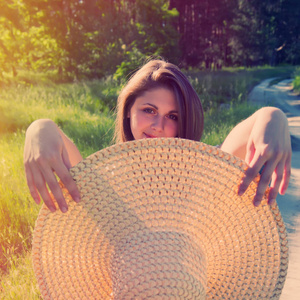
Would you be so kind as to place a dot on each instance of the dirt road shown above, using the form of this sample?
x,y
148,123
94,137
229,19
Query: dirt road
x,y
282,96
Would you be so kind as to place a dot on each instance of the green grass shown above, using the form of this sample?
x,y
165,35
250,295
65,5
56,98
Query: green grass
x,y
232,85
219,122
17,214
20,283
85,112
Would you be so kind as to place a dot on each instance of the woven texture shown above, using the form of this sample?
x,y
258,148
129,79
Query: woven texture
x,y
161,219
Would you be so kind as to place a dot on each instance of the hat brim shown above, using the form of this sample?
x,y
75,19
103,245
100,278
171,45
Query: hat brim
x,y
167,188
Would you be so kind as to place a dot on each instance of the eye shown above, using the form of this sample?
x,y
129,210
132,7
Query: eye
x,y
173,117
148,110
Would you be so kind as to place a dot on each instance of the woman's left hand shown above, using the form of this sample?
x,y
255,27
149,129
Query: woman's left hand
x,y
268,149
264,142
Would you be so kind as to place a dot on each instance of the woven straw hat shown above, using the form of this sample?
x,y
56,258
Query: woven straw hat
x,y
161,219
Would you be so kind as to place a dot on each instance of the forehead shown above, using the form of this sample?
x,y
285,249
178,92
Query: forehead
x,y
159,96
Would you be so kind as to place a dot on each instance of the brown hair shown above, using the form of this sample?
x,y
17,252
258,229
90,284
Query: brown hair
x,y
154,74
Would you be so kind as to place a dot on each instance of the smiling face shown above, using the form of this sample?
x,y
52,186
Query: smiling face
x,y
167,92
154,114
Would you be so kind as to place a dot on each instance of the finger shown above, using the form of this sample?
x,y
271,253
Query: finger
x,y
30,183
286,176
264,182
55,189
43,176
275,183
68,181
41,187
48,178
255,166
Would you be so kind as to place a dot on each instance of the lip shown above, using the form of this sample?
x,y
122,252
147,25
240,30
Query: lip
x,y
149,136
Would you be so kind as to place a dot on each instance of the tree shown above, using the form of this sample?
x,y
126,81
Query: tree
x,y
265,32
204,27
288,32
94,38
11,29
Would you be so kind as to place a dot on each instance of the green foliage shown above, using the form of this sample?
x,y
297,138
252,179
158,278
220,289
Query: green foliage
x,y
296,82
265,32
82,39
24,44
90,39
134,58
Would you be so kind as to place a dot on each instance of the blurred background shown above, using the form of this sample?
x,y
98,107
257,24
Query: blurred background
x,y
77,39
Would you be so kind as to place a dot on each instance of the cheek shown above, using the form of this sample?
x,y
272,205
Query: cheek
x,y
137,123
172,129
133,121
138,120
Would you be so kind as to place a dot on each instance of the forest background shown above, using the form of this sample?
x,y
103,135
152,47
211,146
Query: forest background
x,y
78,39
68,59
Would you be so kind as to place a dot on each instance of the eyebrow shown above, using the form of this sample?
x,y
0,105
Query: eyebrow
x,y
171,111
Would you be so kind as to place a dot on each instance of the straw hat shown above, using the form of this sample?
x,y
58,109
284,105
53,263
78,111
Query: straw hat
x,y
161,219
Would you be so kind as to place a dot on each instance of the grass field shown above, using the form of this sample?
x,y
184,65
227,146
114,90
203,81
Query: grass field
x,y
85,112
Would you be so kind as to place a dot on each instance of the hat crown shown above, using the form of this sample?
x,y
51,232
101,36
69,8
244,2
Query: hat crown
x,y
158,262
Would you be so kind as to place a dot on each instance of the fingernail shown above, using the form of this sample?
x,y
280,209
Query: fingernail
x,y
52,208
241,192
64,209
272,201
256,203
77,199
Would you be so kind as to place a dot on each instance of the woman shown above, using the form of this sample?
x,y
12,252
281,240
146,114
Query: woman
x,y
159,101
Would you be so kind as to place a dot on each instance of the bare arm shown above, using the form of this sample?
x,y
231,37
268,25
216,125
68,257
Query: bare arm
x,y
263,140
48,151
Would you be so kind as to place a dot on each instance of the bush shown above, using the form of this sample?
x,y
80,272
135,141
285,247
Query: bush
x,y
296,82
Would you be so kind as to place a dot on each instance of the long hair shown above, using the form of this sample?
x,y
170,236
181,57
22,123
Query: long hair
x,y
155,74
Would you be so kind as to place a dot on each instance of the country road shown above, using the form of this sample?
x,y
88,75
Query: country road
x,y
281,95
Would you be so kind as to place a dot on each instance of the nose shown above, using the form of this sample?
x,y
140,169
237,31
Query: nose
x,y
158,124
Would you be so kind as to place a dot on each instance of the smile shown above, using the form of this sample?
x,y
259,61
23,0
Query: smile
x,y
149,136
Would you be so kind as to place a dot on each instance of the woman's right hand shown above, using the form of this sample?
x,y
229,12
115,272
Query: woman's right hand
x,y
47,152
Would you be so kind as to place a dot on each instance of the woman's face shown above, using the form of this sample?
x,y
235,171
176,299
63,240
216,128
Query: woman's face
x,y
154,114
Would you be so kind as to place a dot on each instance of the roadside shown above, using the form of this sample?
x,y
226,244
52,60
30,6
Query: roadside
x,y
282,96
